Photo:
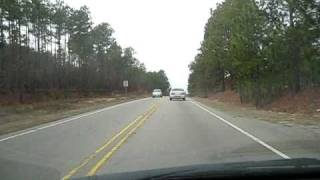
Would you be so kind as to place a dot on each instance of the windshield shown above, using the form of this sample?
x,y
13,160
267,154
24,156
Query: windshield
x,y
93,87
177,90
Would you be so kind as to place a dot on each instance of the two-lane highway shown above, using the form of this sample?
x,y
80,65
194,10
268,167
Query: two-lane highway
x,y
147,134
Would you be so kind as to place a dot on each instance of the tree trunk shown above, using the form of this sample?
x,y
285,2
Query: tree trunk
x,y
241,92
65,49
38,41
223,80
2,43
296,71
20,72
27,36
9,32
257,93
59,45
50,27
295,52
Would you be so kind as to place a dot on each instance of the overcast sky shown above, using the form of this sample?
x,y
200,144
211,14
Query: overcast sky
x,y
165,34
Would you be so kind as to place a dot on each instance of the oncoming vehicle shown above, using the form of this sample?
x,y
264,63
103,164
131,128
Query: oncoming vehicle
x,y
157,93
177,93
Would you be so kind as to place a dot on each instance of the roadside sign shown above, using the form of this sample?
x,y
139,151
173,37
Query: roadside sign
x,y
125,83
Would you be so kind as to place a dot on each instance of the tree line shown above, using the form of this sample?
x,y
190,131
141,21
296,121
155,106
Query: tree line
x,y
46,45
259,48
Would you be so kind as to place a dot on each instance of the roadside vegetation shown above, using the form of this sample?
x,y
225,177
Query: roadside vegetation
x,y
22,116
287,116
48,49
260,49
55,63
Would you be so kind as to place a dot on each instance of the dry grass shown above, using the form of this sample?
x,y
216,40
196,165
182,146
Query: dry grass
x,y
22,116
249,111
306,102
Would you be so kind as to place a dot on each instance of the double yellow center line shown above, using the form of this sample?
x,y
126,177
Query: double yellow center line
x,y
118,139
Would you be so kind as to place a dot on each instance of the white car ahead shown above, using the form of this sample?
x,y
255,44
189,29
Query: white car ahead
x,y
156,93
177,93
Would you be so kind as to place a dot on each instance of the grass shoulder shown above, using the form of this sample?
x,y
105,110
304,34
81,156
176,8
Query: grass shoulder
x,y
22,116
250,111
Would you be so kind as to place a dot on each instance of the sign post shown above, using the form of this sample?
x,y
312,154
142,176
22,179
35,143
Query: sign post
x,y
125,84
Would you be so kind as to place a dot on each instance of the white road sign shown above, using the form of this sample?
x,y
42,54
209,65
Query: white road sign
x,y
125,83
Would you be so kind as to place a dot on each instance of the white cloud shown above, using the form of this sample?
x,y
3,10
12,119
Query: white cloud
x,y
165,33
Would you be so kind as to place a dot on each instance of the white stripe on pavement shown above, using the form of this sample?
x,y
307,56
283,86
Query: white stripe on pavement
x,y
205,108
67,120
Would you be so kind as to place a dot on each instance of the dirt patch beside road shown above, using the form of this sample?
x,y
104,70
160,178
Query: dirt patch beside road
x,y
226,96
305,102
19,117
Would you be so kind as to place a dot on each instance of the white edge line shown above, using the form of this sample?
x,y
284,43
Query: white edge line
x,y
52,124
205,108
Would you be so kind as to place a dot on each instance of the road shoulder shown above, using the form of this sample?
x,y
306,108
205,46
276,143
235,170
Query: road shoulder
x,y
250,112
296,140
22,117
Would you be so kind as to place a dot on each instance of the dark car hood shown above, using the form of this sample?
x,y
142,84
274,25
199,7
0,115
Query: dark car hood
x,y
274,168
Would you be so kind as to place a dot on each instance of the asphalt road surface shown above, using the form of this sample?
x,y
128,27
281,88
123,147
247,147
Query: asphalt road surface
x,y
147,134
